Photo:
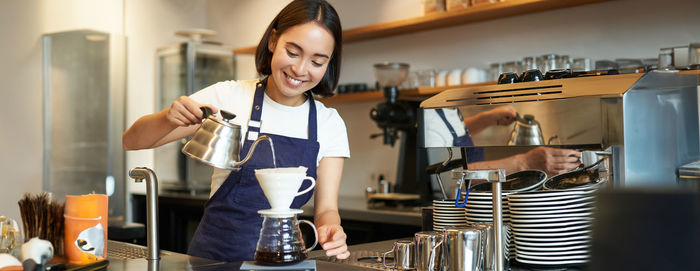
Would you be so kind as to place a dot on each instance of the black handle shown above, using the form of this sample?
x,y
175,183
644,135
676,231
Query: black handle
x,y
452,164
206,112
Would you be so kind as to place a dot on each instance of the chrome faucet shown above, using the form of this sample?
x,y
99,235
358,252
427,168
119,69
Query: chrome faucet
x,y
139,174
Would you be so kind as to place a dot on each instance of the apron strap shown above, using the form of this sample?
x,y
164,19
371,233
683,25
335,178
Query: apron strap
x,y
444,119
312,117
253,131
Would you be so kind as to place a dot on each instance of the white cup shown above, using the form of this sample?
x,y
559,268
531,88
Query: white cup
x,y
454,77
441,78
472,76
280,185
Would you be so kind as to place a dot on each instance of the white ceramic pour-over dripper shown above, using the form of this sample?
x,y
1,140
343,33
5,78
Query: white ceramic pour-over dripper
x,y
280,185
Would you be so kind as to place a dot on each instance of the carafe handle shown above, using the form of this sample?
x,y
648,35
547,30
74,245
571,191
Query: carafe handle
x,y
313,183
315,234
384,258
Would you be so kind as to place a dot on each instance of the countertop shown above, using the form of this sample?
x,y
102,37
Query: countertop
x,y
350,208
177,261
358,252
355,208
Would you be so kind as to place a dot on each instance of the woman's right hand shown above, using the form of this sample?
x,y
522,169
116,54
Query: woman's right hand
x,y
185,112
502,115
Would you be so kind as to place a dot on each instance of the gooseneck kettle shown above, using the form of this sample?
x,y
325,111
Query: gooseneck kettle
x,y
526,131
218,142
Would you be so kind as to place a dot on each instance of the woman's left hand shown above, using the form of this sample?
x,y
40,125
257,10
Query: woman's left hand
x,y
331,237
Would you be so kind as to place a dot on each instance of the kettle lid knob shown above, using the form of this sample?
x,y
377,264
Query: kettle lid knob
x,y
227,115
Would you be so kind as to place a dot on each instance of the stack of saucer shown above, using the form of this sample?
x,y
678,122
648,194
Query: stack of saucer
x,y
480,207
446,213
552,227
480,201
479,210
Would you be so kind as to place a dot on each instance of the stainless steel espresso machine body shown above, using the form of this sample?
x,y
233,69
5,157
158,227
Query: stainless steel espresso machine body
x,y
647,122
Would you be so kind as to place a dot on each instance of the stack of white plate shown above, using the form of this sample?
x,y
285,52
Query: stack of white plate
x,y
446,213
480,211
552,227
480,207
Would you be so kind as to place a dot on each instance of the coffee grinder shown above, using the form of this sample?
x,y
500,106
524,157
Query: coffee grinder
x,y
396,117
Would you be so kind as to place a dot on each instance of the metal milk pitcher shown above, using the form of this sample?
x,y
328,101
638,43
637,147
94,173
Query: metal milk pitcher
x,y
218,142
462,249
428,250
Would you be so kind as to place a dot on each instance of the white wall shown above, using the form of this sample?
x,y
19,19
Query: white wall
x,y
22,24
615,29
147,25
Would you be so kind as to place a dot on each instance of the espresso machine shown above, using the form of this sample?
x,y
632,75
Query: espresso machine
x,y
646,123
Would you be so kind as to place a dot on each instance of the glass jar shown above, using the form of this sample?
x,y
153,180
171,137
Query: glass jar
x,y
510,66
582,64
565,62
666,58
530,63
551,62
495,70
426,78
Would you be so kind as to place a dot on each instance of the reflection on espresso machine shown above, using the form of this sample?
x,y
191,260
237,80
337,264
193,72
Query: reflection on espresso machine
x,y
647,122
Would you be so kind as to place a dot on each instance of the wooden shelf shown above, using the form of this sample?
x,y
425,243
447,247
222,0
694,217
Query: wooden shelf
x,y
483,12
418,94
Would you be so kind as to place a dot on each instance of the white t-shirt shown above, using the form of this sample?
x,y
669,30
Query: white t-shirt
x,y
437,134
291,121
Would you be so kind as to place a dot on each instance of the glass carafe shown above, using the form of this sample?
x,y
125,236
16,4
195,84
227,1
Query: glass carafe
x,y
280,241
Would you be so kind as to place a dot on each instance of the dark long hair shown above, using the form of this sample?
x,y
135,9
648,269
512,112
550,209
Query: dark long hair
x,y
300,12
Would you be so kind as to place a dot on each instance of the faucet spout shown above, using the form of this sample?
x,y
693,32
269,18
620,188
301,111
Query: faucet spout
x,y
139,174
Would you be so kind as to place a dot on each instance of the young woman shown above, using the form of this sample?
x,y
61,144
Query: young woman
x,y
299,55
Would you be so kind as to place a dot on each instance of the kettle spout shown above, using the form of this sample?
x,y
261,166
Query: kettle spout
x,y
237,165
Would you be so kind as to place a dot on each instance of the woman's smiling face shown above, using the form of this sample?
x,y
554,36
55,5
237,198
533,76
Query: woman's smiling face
x,y
300,57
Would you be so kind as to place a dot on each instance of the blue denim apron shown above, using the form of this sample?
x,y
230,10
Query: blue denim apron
x,y
473,154
230,226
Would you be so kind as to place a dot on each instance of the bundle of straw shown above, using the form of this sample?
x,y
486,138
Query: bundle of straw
x,y
43,218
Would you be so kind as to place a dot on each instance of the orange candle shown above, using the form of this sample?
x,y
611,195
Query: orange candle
x,y
85,235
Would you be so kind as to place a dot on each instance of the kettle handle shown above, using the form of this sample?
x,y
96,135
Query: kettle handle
x,y
315,235
206,112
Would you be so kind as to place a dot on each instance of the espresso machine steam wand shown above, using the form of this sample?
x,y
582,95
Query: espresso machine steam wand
x,y
495,177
